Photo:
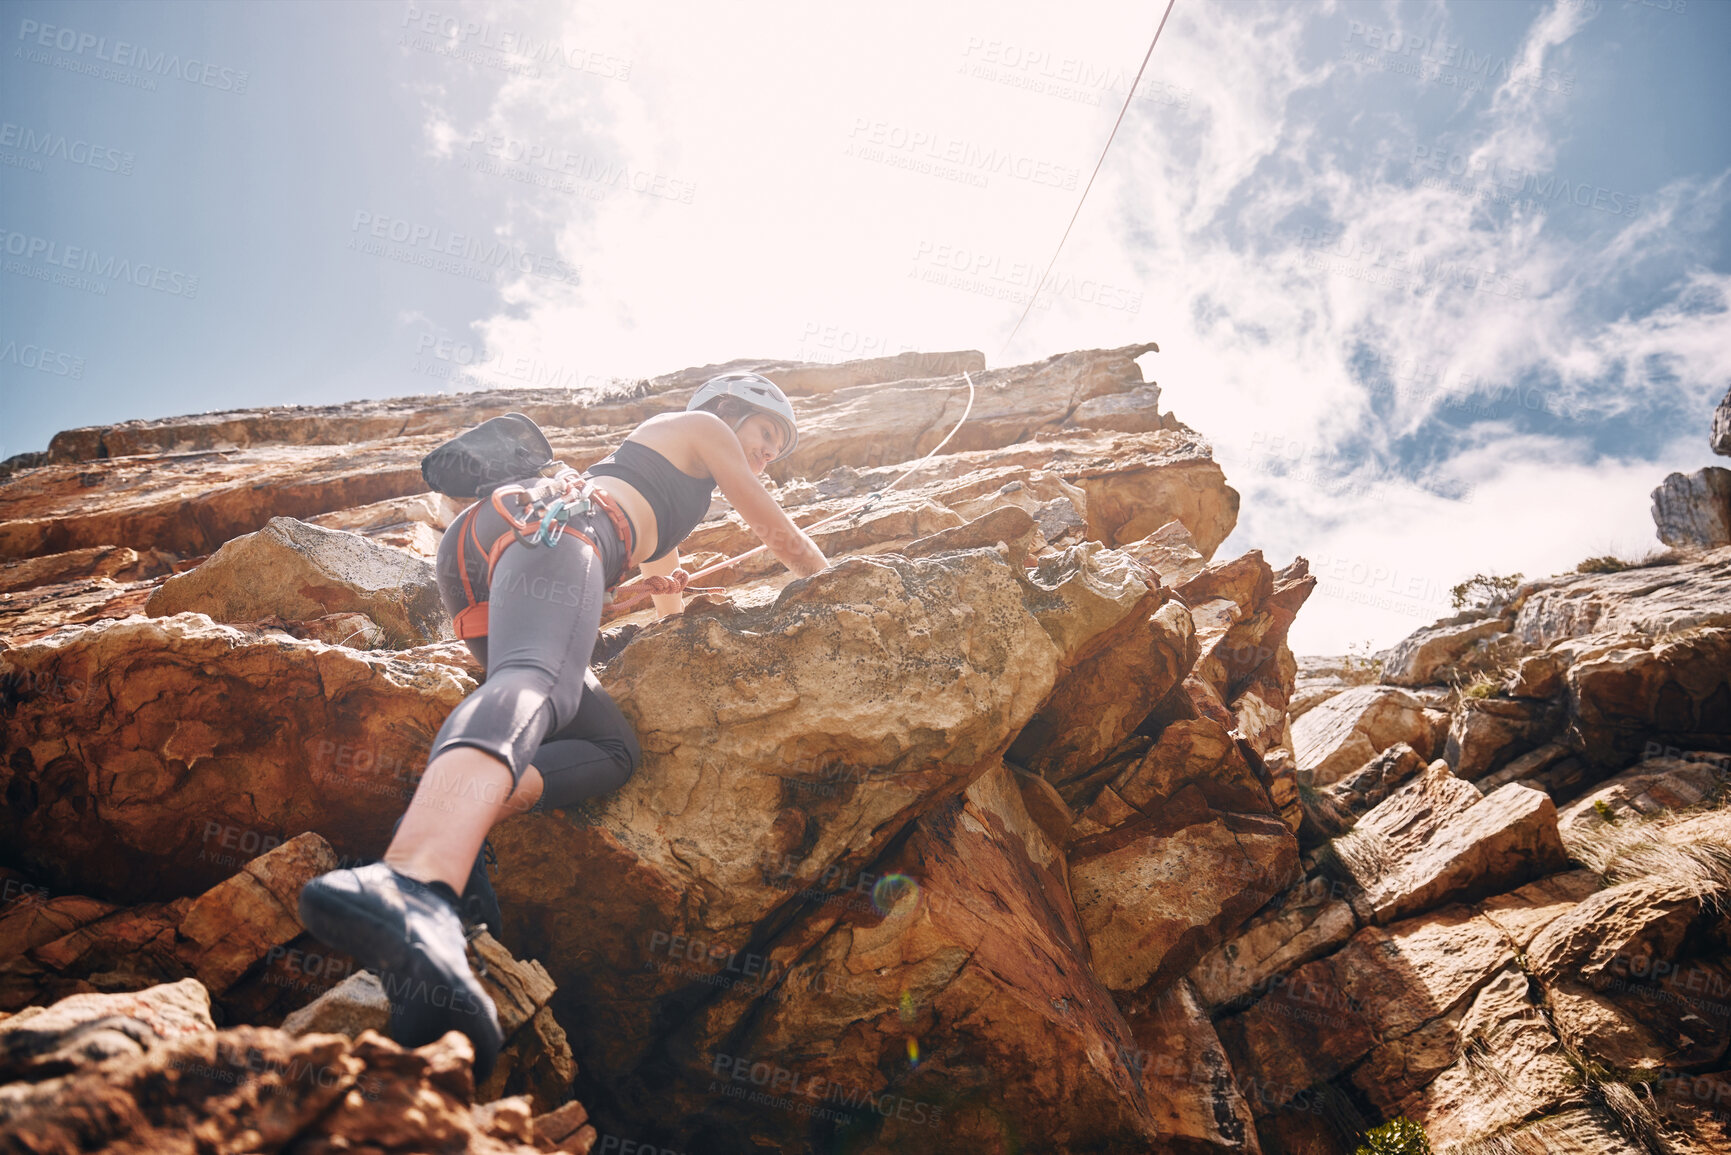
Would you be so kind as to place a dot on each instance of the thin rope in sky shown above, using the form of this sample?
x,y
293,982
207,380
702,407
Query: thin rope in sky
x,y
1127,98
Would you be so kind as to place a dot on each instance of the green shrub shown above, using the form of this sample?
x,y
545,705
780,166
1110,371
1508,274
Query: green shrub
x,y
1484,590
1482,688
1604,810
1396,1137
1604,563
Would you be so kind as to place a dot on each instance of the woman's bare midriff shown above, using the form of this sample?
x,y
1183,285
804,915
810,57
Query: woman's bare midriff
x,y
636,507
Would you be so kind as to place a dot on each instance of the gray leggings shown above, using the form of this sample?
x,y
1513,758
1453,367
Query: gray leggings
x,y
540,703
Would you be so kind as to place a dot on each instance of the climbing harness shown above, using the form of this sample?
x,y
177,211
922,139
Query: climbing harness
x,y
532,519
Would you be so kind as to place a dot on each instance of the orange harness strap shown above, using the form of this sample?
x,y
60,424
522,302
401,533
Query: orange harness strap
x,y
471,620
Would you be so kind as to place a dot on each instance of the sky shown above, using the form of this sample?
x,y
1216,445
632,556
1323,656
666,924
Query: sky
x,y
1445,285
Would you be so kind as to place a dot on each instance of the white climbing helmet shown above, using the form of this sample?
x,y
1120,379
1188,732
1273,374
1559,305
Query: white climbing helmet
x,y
760,393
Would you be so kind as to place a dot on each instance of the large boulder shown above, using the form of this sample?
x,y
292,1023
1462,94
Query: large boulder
x,y
1437,840
294,570
1693,510
1429,655
1486,734
1650,600
1349,729
786,745
1720,436
151,757
1627,692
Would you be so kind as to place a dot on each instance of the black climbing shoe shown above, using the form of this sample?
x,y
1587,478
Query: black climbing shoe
x,y
409,934
479,905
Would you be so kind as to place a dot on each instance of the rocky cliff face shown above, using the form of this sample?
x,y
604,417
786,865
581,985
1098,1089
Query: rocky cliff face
x,y
1017,829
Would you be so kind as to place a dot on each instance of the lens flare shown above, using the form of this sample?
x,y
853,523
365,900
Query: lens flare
x,y
914,1051
890,889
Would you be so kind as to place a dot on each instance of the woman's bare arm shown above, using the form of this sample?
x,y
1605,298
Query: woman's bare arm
x,y
665,604
720,453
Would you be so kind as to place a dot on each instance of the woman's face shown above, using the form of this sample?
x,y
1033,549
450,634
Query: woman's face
x,y
762,439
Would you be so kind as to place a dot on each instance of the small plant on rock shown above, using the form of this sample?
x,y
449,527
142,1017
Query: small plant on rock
x,y
1604,563
1396,1137
1482,591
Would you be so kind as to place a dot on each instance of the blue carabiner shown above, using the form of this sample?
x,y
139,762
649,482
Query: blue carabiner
x,y
548,535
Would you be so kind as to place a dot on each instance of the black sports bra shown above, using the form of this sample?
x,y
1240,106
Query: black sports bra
x,y
677,499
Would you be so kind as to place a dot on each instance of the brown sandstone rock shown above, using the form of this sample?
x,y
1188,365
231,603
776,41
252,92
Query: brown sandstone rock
x,y
1374,781
1429,655
295,570
785,746
1500,1063
234,924
257,1089
961,992
192,503
1171,552
1302,924
1720,436
1384,984
1654,786
355,1005
1134,483
1693,510
1156,894
1650,600
1137,650
1623,691
115,562
1437,840
1488,733
1192,1092
1349,729
127,789
39,1043
899,420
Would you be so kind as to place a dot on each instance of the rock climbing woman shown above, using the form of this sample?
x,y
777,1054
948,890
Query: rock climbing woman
x,y
524,572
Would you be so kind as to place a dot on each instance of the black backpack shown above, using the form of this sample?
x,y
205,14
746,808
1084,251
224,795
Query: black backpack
x,y
475,463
